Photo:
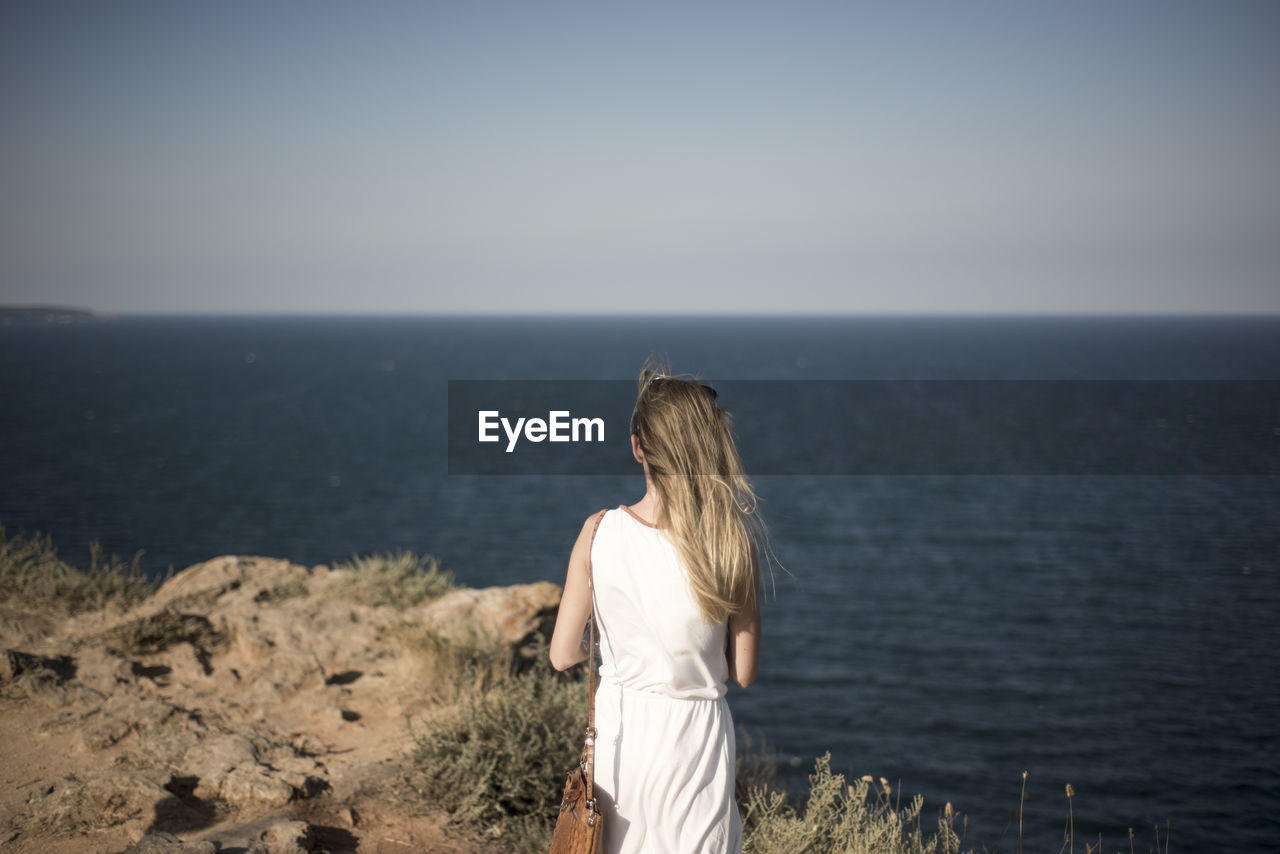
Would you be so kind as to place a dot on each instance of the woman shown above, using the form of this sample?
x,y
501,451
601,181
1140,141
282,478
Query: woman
x,y
675,579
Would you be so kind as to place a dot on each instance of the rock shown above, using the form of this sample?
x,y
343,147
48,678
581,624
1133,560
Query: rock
x,y
266,836
103,732
210,761
281,675
248,643
301,772
167,843
126,711
506,615
14,664
180,664
231,768
101,799
44,679
254,787
287,837
198,586
102,670
140,710
25,675
65,718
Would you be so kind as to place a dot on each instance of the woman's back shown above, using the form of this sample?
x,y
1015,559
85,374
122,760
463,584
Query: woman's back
x,y
665,750
654,637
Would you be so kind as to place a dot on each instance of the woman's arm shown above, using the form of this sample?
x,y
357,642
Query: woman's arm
x,y
575,603
744,640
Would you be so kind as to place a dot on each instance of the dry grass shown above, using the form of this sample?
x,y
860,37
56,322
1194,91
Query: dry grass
x,y
839,817
401,579
449,669
33,576
155,633
1069,829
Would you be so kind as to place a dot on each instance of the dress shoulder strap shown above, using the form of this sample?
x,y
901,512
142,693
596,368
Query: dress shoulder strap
x,y
594,528
589,747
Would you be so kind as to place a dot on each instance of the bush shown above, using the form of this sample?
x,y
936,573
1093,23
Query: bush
x,y
840,818
32,574
402,579
496,758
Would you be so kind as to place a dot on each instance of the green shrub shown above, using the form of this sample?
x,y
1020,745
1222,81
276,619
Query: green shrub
x,y
496,758
402,579
32,574
840,818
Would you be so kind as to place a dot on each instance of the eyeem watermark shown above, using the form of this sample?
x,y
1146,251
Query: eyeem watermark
x,y
557,427
532,427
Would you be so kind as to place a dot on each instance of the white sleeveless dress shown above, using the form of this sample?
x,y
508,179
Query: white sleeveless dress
x,y
665,746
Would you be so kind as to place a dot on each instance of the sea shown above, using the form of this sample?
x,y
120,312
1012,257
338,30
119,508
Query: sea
x,y
948,628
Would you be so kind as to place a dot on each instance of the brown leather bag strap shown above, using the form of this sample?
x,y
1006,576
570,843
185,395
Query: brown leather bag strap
x,y
589,746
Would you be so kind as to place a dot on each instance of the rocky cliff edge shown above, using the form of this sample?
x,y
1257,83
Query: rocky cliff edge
x,y
246,706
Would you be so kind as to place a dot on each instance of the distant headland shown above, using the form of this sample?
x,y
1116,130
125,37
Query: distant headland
x,y
11,315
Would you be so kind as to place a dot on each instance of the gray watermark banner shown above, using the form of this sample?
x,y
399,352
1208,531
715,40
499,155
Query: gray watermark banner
x,y
889,427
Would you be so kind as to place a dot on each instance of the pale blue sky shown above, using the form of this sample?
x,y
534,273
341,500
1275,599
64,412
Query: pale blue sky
x,y
1116,156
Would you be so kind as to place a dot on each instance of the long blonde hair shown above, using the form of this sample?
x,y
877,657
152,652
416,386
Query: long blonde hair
x,y
707,505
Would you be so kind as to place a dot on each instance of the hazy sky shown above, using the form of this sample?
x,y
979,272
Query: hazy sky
x,y
607,156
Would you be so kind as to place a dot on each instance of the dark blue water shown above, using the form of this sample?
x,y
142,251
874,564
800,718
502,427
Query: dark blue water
x,y
945,632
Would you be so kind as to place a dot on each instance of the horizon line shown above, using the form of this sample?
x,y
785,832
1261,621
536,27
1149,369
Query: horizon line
x,y
657,315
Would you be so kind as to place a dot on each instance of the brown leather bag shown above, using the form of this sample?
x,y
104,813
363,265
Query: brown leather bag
x,y
580,825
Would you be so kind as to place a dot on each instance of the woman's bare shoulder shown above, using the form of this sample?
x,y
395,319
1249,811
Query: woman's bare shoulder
x,y
592,522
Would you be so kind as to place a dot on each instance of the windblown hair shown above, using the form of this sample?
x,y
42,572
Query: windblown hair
x,y
708,506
